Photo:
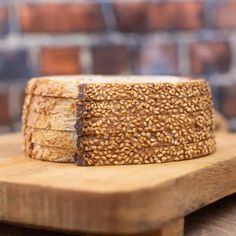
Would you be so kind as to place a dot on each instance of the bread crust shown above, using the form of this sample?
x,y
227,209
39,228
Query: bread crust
x,y
117,87
68,107
117,122
136,141
147,156
157,155
145,91
109,125
54,86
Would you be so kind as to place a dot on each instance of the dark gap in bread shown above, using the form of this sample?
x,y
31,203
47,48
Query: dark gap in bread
x,y
79,124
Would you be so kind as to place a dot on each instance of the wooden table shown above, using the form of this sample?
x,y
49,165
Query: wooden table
x,y
121,199
218,219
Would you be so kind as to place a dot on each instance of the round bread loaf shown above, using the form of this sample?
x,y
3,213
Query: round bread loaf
x,y
111,120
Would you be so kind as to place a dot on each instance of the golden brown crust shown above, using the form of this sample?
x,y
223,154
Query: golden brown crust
x,y
143,140
108,125
51,106
24,118
152,123
25,111
155,87
147,156
54,86
145,91
148,107
117,123
135,141
60,113
152,156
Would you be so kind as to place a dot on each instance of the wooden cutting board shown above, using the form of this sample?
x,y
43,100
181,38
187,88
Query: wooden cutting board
x,y
114,199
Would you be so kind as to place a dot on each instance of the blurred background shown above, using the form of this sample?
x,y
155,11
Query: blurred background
x,y
174,37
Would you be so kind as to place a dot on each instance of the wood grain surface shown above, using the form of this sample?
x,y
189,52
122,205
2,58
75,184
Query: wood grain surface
x,y
121,199
217,219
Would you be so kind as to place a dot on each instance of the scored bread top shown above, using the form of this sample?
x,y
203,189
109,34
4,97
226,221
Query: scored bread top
x,y
97,85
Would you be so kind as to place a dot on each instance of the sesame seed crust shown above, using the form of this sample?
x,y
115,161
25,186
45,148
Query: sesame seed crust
x,y
145,91
67,139
152,123
117,87
51,106
121,124
138,141
147,107
113,123
150,155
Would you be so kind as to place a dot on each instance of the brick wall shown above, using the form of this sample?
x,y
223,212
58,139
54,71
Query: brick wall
x,y
178,37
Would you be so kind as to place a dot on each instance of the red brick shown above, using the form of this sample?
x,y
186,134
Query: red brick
x,y
158,59
131,17
5,116
210,57
60,61
3,20
175,15
58,18
111,60
225,14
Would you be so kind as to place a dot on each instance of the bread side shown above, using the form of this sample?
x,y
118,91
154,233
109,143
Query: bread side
x,y
132,124
55,122
44,153
60,86
151,156
148,107
51,106
147,156
52,138
119,122
135,141
145,91
143,140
